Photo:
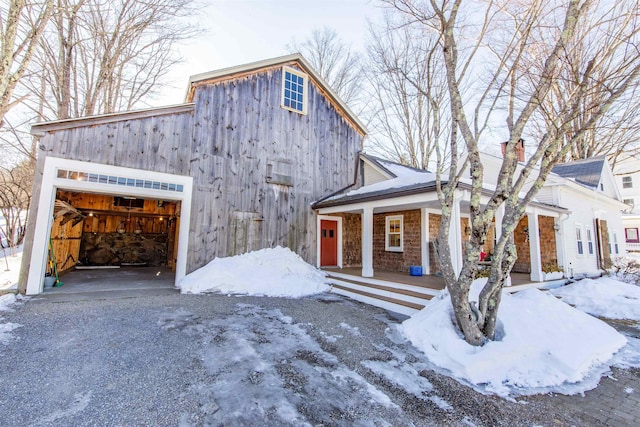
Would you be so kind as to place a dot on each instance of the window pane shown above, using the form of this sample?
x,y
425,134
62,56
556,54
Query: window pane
x,y
394,240
580,250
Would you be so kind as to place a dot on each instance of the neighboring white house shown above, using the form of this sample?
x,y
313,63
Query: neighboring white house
x,y
593,232
627,175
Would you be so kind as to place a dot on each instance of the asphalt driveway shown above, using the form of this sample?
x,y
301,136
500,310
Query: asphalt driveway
x,y
180,360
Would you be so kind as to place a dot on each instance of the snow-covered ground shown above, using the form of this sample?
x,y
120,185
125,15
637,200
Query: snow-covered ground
x,y
543,345
9,268
276,272
603,297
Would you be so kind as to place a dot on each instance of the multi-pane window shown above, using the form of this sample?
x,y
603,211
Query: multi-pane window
x,y
627,182
294,90
615,243
393,241
589,240
579,240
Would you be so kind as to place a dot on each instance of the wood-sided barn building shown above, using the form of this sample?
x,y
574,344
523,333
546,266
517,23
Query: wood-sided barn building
x,y
233,169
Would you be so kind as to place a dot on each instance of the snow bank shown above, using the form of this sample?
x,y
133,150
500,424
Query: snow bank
x,y
10,267
604,297
545,343
276,272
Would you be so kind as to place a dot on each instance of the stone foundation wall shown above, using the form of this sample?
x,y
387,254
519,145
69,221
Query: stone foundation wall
x,y
116,248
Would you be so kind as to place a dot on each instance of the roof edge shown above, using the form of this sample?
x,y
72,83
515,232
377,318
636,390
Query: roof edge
x,y
40,129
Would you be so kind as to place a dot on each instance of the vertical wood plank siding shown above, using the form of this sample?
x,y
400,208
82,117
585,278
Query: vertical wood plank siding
x,y
226,144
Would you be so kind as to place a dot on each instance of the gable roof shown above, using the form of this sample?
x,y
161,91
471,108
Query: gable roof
x,y
264,65
587,172
402,180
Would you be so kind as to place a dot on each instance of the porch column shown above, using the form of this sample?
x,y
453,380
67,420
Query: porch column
x,y
534,247
499,215
367,242
424,240
455,236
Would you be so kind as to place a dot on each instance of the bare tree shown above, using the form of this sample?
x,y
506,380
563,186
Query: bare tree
x,y
336,62
15,190
410,113
488,51
102,56
21,26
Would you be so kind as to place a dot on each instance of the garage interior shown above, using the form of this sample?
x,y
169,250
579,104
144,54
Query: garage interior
x,y
98,235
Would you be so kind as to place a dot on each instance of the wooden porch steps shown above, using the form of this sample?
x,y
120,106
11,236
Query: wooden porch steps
x,y
393,296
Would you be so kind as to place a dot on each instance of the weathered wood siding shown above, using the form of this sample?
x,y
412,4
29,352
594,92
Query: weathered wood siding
x,y
227,144
239,130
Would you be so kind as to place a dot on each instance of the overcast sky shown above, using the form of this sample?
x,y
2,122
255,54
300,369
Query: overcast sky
x,y
243,31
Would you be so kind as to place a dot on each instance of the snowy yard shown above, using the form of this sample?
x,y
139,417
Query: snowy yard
x,y
544,344
321,359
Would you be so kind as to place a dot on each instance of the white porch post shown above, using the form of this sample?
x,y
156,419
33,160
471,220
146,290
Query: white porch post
x,y
424,241
499,215
367,242
455,236
534,247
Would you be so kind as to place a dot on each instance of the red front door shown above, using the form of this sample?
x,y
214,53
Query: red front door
x,y
328,243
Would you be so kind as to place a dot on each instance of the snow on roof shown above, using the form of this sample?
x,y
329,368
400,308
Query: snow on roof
x,y
586,172
405,176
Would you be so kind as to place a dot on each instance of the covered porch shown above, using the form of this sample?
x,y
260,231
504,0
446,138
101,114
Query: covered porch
x,y
399,231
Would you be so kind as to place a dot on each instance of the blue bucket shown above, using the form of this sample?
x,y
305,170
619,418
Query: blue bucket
x,y
415,270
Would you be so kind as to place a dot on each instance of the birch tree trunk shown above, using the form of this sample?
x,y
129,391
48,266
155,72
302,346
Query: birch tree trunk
x,y
504,62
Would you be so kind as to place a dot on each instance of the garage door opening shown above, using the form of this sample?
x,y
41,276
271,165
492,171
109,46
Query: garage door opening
x,y
101,217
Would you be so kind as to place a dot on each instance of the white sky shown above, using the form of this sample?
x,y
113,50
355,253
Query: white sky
x,y
243,31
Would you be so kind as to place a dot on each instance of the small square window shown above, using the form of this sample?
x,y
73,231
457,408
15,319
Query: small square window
x,y
627,182
294,90
631,235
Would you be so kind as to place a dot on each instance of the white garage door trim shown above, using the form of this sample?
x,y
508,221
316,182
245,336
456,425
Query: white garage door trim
x,y
98,178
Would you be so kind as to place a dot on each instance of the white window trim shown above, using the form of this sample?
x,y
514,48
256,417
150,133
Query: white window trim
x,y
387,220
579,227
591,250
305,91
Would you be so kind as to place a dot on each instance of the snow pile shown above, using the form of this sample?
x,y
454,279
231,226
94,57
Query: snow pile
x,y
10,267
604,297
545,343
276,272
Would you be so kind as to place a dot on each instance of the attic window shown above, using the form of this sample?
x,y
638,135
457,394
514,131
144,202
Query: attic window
x,y
627,182
294,90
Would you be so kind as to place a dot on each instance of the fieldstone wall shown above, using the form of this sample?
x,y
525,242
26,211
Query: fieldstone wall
x,y
116,248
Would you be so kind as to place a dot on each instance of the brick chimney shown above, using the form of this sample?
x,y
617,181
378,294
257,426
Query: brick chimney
x,y
519,149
